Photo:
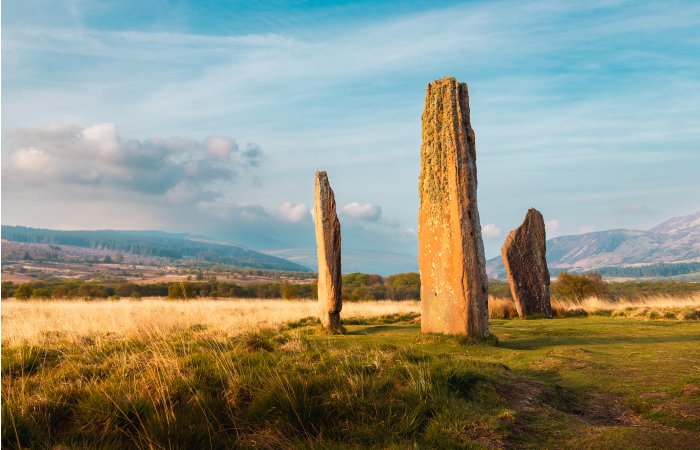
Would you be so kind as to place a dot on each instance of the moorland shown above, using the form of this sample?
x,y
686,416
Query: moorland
x,y
213,373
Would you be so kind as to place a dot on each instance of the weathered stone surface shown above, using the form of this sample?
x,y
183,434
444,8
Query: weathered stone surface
x,y
454,285
523,254
328,244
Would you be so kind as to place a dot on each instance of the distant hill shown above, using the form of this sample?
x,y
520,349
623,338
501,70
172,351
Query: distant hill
x,y
669,249
175,246
366,261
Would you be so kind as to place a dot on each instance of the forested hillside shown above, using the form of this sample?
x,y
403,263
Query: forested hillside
x,y
152,243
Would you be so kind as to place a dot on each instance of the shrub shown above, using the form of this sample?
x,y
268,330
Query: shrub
x,y
23,292
182,290
42,293
8,289
577,287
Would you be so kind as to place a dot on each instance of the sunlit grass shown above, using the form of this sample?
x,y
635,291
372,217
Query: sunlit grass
x,y
652,307
573,383
43,321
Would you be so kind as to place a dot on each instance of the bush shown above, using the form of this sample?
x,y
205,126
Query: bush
x,y
182,290
126,289
577,287
91,291
41,293
8,289
403,286
23,292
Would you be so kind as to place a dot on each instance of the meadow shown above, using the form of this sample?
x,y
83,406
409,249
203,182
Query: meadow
x,y
158,373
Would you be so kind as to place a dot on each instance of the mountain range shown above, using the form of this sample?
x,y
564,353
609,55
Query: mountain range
x,y
669,249
675,242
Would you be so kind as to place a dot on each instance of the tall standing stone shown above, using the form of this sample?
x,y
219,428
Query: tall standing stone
x,y
328,244
454,284
524,257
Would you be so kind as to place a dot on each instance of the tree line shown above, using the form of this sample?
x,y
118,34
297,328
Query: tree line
x,y
356,286
653,270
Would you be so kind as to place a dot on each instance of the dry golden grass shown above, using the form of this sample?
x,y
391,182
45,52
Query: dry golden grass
x,y
42,321
653,307
659,301
656,307
38,321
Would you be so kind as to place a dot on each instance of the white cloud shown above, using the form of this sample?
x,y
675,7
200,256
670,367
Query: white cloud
x,y
586,229
552,226
490,231
363,211
103,137
220,147
31,159
289,212
97,159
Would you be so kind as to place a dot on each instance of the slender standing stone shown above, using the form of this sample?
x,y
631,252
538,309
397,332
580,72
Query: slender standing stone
x,y
328,244
454,284
524,257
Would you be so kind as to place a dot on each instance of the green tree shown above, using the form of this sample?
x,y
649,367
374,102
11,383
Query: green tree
x,y
41,293
23,292
60,291
404,286
126,289
578,287
8,289
182,290
355,280
91,291
289,290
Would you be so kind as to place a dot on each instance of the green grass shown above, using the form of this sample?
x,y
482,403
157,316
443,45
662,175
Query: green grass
x,y
593,382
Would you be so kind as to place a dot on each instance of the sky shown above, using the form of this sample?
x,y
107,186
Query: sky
x,y
211,117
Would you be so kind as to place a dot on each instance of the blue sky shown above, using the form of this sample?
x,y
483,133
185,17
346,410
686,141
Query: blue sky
x,y
211,117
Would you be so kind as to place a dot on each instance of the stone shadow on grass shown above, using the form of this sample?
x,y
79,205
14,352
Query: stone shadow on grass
x,y
540,342
379,329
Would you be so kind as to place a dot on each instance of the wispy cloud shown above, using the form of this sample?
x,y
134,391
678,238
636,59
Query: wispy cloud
x,y
576,106
635,208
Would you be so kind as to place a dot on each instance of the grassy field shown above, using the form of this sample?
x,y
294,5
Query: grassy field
x,y
231,374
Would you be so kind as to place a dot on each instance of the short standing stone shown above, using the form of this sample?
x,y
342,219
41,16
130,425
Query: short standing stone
x,y
454,284
328,244
524,257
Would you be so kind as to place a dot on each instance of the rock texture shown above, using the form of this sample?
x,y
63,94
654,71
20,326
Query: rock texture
x,y
523,254
328,245
454,285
